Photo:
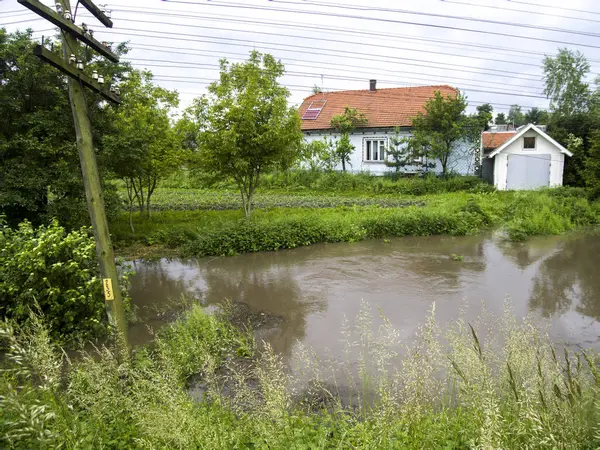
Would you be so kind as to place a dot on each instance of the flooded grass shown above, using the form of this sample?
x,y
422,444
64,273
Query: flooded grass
x,y
493,383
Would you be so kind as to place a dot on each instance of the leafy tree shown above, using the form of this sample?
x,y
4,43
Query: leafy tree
x,y
143,146
407,151
316,89
591,172
485,115
345,123
536,116
566,88
574,108
443,127
245,126
500,119
41,175
516,116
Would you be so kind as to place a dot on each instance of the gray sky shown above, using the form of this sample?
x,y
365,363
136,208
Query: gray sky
x,y
343,45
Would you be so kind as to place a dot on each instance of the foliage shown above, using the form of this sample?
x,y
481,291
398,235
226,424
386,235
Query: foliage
x,y
500,119
566,88
343,150
407,151
142,147
349,120
574,108
516,116
591,171
345,123
245,126
41,177
321,155
496,383
537,116
54,272
443,127
485,114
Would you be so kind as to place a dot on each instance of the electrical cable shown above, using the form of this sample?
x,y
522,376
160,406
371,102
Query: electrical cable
x,y
381,19
437,15
365,56
537,13
227,18
538,5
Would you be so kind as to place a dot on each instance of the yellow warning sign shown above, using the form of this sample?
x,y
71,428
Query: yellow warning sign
x,y
108,289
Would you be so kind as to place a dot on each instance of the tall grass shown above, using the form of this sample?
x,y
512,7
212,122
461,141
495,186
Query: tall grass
x,y
468,385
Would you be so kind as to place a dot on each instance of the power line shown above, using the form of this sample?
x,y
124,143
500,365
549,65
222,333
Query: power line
x,y
364,56
537,13
185,64
283,24
313,64
444,16
381,19
334,41
538,5
23,21
302,88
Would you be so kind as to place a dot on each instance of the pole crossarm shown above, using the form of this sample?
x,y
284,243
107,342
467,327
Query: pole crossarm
x,y
68,26
56,61
97,13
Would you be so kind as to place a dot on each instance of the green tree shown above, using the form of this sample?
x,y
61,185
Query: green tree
x,y
407,151
41,175
564,76
245,126
500,119
574,108
143,146
591,171
485,115
345,123
443,127
516,116
536,116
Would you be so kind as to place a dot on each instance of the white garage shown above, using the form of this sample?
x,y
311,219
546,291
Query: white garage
x,y
527,159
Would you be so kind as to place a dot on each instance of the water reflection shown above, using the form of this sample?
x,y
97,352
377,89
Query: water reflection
x,y
274,290
315,288
569,278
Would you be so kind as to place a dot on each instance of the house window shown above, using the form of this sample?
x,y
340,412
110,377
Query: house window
x,y
529,143
374,150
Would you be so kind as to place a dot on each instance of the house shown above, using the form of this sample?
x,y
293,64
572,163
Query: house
x,y
385,110
525,158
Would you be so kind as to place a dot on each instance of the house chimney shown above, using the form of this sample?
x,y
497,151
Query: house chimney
x,y
373,85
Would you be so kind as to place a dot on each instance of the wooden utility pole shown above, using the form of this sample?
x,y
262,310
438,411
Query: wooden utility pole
x,y
83,130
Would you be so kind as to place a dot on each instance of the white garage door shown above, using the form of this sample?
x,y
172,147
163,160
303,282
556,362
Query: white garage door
x,y
528,171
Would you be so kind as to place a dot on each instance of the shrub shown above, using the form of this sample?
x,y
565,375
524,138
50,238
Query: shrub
x,y
54,272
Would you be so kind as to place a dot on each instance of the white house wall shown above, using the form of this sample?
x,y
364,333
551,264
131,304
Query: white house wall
x,y
542,146
459,163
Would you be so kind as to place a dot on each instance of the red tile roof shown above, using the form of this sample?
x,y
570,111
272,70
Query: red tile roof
x,y
492,140
393,107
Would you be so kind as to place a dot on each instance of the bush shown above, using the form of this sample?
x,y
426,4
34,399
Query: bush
x,y
368,183
53,272
342,225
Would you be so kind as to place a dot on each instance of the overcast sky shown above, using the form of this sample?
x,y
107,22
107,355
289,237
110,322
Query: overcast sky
x,y
339,44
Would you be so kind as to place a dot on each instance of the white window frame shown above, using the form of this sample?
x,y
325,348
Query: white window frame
x,y
529,149
368,149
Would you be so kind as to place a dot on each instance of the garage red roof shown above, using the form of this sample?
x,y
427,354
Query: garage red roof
x,y
392,107
492,140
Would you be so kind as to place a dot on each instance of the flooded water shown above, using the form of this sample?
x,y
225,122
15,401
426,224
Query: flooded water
x,y
314,288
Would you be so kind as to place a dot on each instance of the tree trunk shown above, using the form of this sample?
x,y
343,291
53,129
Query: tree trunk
x,y
130,195
151,187
343,164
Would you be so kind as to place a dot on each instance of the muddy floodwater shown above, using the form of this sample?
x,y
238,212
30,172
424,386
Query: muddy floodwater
x,y
312,289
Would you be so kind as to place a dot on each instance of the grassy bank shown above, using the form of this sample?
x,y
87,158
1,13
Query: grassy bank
x,y
462,388
225,232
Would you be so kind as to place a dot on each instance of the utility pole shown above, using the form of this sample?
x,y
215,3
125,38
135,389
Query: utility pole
x,y
72,66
